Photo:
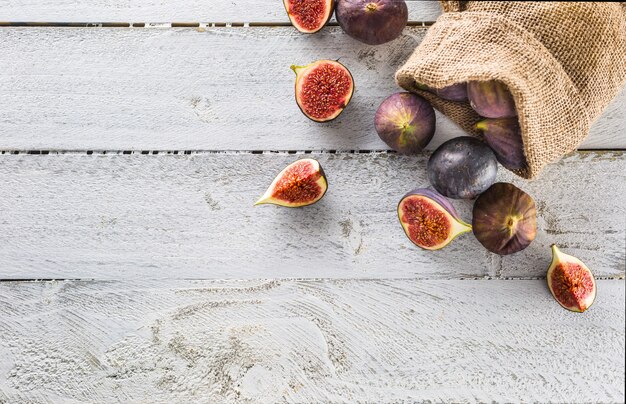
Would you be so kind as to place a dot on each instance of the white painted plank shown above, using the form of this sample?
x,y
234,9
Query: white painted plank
x,y
223,89
169,11
172,216
307,341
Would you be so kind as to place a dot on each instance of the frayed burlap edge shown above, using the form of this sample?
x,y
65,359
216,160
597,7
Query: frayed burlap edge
x,y
506,52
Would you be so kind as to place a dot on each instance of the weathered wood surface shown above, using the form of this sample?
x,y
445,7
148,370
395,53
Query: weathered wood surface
x,y
221,89
268,11
191,216
307,341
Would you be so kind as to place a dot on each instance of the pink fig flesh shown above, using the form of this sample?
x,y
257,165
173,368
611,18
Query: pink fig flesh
x,y
406,122
504,136
309,16
429,220
323,89
301,183
491,99
570,281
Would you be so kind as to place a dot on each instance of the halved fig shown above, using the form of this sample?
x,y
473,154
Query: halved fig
x,y
309,16
572,284
504,219
429,219
323,89
301,183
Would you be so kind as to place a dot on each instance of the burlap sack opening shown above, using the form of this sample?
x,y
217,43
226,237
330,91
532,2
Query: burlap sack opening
x,y
563,62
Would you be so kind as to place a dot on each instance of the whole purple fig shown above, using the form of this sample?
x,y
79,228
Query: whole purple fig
x,y
456,92
504,219
462,168
406,122
373,22
504,136
491,99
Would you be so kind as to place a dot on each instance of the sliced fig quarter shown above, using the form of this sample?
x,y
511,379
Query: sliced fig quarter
x,y
429,220
301,183
570,281
323,89
309,16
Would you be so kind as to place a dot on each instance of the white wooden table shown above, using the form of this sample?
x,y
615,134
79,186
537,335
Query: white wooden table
x,y
134,268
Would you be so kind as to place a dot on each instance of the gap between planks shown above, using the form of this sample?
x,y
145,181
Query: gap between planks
x,y
113,24
243,152
375,280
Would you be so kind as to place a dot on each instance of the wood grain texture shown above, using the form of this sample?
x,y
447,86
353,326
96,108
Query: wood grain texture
x,y
167,11
191,216
221,89
307,341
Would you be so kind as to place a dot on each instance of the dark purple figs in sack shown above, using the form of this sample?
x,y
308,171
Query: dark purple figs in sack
x,y
504,136
491,99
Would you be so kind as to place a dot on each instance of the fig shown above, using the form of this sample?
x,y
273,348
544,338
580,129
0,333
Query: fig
x,y
456,92
462,168
373,22
323,89
309,16
406,122
301,183
572,284
429,219
504,219
491,99
504,136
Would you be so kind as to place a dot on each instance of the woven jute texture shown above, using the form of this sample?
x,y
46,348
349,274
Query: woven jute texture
x,y
563,62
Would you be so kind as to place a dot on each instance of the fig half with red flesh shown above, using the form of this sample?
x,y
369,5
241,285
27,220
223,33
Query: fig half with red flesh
x,y
323,89
570,281
301,183
309,16
429,219
504,219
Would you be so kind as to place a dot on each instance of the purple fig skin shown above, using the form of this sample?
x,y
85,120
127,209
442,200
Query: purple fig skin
x,y
373,22
462,168
504,219
491,99
504,136
405,122
456,92
437,197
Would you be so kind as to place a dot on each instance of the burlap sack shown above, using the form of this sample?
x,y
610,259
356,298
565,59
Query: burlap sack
x,y
563,62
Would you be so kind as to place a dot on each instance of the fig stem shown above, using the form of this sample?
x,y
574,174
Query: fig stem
x,y
481,125
371,7
296,68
